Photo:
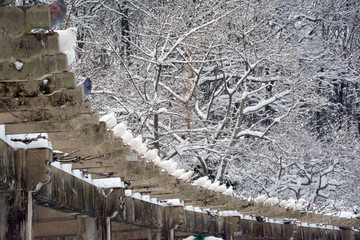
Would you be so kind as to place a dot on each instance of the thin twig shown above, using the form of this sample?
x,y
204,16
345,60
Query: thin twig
x,y
9,111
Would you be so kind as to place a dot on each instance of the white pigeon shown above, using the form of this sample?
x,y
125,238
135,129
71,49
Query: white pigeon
x,y
127,136
186,176
272,201
301,203
221,188
165,164
200,181
67,39
291,204
214,186
261,198
172,168
142,149
156,161
70,55
207,184
178,172
283,203
135,142
120,129
109,119
150,155
229,191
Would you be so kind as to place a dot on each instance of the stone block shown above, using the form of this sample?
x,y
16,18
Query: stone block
x,y
54,125
37,161
17,20
81,143
7,166
36,69
28,46
98,150
87,130
93,163
59,99
42,114
57,81
33,88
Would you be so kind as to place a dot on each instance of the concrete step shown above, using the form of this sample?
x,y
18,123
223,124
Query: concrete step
x,y
59,114
59,99
17,20
85,131
33,88
28,46
102,149
92,161
74,123
79,144
37,69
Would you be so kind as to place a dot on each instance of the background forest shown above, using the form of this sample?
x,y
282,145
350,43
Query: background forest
x,y
262,95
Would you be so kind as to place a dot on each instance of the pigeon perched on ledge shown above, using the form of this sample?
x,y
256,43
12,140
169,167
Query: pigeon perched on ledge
x,y
150,155
109,119
186,176
200,181
86,85
67,39
229,191
127,136
120,129
57,11
70,55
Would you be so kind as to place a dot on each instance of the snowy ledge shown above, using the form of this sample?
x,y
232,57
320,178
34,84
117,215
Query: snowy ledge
x,y
99,183
26,141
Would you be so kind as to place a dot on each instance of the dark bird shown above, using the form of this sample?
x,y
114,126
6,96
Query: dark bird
x,y
127,183
86,85
260,218
57,12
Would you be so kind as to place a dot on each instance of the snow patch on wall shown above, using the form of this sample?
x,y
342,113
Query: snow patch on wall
x,y
26,141
18,65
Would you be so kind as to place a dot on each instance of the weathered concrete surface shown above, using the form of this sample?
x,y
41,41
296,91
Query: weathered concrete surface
x,y
59,99
15,21
49,222
37,69
4,210
33,88
264,230
58,114
28,46
70,194
30,167
7,166
5,2
75,123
